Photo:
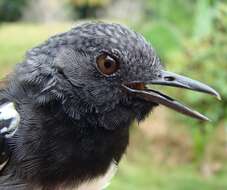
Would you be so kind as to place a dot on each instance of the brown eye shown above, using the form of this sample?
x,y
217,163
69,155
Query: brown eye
x,y
106,64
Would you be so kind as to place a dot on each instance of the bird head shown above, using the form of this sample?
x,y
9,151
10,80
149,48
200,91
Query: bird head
x,y
109,70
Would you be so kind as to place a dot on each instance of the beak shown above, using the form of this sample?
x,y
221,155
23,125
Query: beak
x,y
140,90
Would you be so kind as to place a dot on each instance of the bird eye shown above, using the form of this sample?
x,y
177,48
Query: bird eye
x,y
106,64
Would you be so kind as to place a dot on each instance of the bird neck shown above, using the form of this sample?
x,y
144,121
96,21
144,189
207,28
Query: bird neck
x,y
81,149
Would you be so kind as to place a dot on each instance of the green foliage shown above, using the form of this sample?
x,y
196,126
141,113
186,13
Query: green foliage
x,y
191,39
162,35
11,10
14,44
178,13
87,8
147,176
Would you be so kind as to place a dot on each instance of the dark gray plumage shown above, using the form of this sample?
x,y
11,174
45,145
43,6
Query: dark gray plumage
x,y
77,95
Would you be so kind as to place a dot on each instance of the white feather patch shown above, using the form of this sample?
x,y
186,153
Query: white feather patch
x,y
8,111
3,164
99,183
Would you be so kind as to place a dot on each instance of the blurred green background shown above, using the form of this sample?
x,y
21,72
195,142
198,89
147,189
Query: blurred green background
x,y
167,151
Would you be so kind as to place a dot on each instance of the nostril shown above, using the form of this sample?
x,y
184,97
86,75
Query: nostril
x,y
169,78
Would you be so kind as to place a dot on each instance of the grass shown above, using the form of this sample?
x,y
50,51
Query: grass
x,y
137,170
16,39
147,176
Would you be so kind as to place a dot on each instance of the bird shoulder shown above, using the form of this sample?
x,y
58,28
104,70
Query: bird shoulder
x,y
9,121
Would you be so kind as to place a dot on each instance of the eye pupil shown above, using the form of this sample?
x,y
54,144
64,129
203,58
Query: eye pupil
x,y
106,64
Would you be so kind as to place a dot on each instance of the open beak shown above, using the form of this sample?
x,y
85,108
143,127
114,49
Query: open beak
x,y
140,90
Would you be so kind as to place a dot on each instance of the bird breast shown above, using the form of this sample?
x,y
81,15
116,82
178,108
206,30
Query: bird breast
x,y
98,183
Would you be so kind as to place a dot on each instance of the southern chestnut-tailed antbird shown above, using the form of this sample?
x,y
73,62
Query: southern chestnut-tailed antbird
x,y
66,108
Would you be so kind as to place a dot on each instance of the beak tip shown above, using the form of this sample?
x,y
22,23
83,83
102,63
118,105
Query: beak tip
x,y
218,96
204,118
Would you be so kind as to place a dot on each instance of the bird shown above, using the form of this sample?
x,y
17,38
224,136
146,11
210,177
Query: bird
x,y
66,109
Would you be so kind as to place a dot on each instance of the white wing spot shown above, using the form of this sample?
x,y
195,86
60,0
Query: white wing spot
x,y
2,165
8,111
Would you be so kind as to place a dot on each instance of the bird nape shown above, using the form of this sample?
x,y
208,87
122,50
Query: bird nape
x,y
66,109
